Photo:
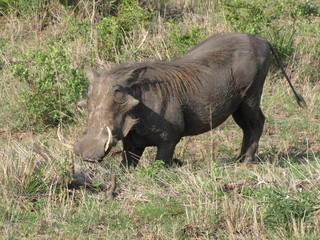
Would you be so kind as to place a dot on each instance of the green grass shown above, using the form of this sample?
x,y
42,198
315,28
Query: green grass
x,y
211,196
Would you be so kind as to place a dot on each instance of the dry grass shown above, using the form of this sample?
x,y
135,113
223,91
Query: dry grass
x,y
205,200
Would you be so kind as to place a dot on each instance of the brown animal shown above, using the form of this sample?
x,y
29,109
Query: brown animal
x,y
158,103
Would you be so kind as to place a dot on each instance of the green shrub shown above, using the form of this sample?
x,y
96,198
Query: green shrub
x,y
181,40
54,85
274,20
22,7
114,31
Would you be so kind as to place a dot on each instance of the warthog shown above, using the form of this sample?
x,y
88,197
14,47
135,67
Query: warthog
x,y
158,103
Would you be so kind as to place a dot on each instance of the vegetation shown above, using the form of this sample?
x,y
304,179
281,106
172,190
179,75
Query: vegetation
x,y
44,45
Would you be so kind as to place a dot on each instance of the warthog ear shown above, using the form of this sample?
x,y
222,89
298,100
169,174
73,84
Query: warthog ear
x,y
128,124
132,102
135,75
91,74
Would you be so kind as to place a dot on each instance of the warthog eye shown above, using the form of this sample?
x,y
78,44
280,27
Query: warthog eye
x,y
120,96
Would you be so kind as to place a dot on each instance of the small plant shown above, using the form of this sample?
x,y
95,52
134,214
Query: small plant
x,y
97,184
35,182
153,170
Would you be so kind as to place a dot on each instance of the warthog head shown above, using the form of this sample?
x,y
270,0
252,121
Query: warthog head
x,y
109,103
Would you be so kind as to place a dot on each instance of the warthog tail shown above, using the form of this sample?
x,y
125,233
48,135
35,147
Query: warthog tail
x,y
300,100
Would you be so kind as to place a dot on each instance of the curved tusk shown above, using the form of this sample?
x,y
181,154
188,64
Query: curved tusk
x,y
109,140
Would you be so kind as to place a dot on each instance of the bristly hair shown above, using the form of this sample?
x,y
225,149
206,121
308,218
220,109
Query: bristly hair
x,y
167,79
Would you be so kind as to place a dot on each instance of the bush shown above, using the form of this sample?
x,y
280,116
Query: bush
x,y
181,40
266,18
54,85
22,7
114,31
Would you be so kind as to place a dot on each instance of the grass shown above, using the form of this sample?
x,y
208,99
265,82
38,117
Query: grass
x,y
204,199
200,200
211,196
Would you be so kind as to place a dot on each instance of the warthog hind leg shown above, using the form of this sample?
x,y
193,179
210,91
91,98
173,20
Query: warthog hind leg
x,y
251,120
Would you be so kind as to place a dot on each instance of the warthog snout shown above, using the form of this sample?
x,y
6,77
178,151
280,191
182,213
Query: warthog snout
x,y
93,148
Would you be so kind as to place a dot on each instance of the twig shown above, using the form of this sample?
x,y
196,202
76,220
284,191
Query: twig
x,y
112,187
143,40
43,152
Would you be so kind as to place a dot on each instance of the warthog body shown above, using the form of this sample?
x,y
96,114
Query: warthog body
x,y
158,103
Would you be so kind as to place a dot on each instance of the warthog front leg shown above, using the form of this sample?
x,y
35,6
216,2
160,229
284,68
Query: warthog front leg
x,y
165,153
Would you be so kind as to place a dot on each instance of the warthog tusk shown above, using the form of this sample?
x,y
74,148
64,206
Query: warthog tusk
x,y
109,139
